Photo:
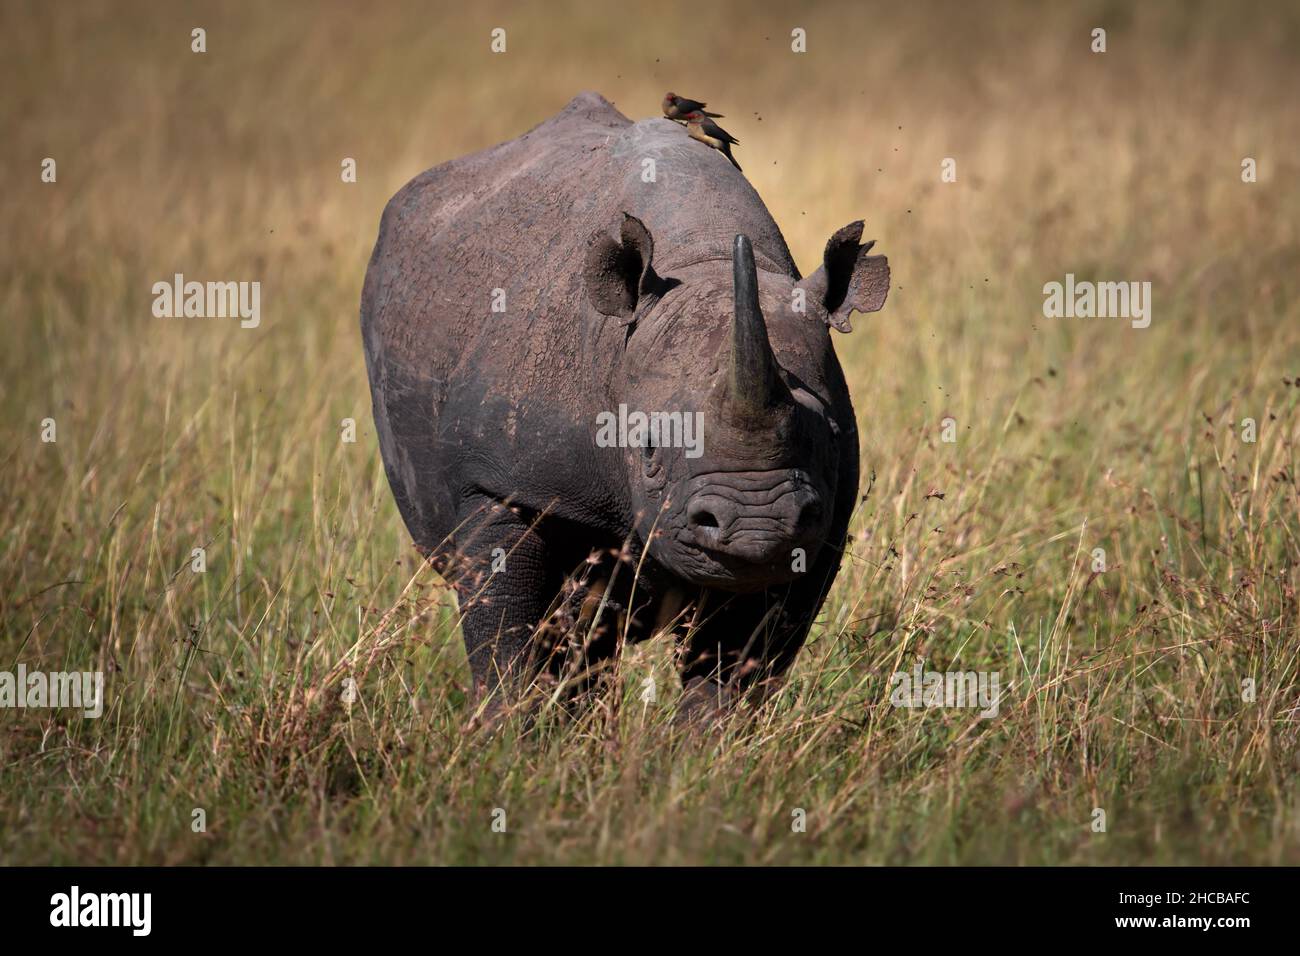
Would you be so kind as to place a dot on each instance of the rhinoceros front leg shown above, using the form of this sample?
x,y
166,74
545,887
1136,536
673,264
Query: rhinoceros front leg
x,y
744,647
500,573
723,650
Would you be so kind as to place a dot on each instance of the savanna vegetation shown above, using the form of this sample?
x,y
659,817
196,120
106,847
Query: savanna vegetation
x,y
1101,532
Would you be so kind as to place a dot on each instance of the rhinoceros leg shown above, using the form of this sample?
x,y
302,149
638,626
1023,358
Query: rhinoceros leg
x,y
603,604
746,644
716,655
498,565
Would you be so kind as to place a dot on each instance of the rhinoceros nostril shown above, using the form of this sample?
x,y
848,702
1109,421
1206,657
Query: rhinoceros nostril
x,y
705,523
704,519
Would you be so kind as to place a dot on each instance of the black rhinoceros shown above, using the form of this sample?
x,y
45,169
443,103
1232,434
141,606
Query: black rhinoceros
x,y
608,405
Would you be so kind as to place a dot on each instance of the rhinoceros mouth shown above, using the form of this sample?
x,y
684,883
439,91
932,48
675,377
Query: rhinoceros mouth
x,y
757,562
706,568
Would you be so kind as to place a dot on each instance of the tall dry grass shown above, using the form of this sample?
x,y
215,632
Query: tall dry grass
x,y
1122,690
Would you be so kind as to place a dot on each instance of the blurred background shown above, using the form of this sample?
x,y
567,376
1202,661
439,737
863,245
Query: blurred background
x,y
225,165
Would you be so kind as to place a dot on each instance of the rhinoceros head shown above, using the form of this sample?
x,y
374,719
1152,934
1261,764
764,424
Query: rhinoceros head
x,y
736,488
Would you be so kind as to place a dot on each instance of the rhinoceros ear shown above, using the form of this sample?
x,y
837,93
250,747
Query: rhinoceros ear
x,y
618,273
848,279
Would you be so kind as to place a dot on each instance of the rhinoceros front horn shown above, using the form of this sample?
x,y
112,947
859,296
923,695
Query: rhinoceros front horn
x,y
752,380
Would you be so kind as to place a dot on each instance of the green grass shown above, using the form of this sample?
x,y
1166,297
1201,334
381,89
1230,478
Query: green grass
x,y
1122,690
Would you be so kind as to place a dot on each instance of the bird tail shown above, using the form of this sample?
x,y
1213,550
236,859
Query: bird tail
x,y
733,159
714,115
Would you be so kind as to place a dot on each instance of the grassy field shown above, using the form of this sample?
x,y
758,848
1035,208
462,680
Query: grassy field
x,y
1123,689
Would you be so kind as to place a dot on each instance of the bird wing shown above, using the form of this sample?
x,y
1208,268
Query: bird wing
x,y
713,129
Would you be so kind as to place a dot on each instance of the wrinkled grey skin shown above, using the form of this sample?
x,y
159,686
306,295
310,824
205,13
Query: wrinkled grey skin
x,y
616,291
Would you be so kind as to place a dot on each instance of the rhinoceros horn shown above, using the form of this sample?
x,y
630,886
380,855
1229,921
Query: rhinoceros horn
x,y
752,381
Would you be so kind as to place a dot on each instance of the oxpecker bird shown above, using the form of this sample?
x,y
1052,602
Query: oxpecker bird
x,y
699,126
678,107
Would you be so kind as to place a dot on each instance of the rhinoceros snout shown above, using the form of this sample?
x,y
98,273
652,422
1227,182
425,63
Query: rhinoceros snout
x,y
756,525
